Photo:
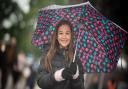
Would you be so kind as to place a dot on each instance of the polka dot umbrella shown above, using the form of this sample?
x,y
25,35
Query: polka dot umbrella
x,y
99,41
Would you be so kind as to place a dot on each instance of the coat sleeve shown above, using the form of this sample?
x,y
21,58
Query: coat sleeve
x,y
45,79
79,82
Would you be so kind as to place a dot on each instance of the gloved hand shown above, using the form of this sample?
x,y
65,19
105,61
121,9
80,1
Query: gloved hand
x,y
67,73
73,67
62,74
75,70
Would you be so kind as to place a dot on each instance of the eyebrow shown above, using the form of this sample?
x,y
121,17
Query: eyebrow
x,y
66,31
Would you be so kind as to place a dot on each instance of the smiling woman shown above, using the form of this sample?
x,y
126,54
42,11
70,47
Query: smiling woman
x,y
64,35
56,70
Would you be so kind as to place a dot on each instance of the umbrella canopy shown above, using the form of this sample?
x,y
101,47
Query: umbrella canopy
x,y
99,41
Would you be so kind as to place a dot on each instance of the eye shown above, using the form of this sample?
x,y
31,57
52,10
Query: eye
x,y
60,33
68,33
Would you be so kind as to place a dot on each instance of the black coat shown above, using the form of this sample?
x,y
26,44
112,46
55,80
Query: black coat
x,y
45,80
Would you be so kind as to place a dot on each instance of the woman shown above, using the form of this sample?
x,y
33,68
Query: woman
x,y
56,70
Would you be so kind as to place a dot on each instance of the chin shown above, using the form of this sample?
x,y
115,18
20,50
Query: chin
x,y
64,46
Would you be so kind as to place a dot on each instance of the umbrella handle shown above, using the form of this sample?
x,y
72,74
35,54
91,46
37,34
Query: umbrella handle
x,y
75,52
76,47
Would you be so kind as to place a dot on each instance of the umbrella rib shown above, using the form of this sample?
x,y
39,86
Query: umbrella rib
x,y
120,28
76,48
54,6
98,43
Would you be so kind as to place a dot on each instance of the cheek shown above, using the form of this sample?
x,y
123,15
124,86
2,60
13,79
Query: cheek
x,y
58,37
69,38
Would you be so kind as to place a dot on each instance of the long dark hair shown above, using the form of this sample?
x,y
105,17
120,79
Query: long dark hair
x,y
54,46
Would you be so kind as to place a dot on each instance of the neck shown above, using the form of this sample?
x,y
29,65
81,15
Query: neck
x,y
61,47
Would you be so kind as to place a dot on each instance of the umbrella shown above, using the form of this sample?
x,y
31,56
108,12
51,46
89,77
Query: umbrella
x,y
99,41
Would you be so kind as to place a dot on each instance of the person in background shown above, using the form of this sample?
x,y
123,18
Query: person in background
x,y
56,70
3,65
13,61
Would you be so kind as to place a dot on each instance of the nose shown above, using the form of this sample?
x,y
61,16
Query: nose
x,y
64,36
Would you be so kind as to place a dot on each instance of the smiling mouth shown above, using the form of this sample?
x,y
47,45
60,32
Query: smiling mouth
x,y
63,40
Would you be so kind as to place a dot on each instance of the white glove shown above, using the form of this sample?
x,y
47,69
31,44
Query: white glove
x,y
58,75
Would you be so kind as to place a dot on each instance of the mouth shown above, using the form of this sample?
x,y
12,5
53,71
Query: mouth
x,y
64,41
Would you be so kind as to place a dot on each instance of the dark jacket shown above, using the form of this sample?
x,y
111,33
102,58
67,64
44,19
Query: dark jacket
x,y
45,80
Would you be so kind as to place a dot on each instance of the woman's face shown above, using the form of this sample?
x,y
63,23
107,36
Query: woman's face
x,y
64,35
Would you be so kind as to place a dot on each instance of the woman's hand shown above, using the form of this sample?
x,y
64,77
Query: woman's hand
x,y
75,70
63,74
67,73
73,67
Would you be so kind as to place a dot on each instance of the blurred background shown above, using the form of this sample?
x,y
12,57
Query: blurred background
x,y
19,59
